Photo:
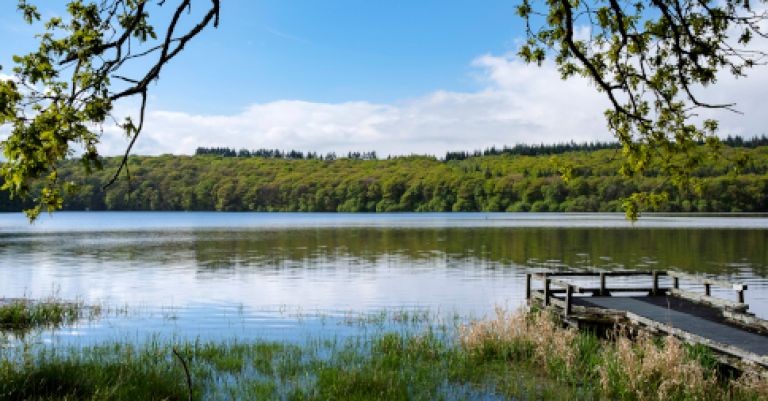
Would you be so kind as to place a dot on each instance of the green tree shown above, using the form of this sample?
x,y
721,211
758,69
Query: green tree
x,y
649,57
63,92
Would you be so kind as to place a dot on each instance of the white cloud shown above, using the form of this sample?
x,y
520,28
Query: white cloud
x,y
747,93
518,103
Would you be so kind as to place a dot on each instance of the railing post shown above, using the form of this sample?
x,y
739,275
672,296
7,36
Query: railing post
x,y
602,284
568,294
741,296
707,289
528,286
546,290
655,289
676,283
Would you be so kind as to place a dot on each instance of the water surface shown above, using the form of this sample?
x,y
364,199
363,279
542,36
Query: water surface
x,y
288,275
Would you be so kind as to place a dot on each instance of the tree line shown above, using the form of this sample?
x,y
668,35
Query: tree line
x,y
413,183
516,150
281,154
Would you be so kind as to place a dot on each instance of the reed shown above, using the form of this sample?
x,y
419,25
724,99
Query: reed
x,y
520,355
22,314
621,367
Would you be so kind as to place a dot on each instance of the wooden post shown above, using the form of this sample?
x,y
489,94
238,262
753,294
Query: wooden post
x,y
528,286
707,289
568,294
655,289
602,284
546,291
676,283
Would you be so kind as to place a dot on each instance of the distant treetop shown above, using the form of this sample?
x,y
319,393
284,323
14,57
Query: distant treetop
x,y
516,150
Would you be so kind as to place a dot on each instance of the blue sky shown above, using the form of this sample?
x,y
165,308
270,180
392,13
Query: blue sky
x,y
335,75
322,51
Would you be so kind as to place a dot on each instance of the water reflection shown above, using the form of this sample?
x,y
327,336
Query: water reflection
x,y
204,271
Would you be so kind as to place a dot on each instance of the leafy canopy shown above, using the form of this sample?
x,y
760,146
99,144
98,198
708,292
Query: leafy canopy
x,y
651,58
64,92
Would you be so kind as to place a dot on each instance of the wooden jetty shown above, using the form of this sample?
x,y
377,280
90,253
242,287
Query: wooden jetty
x,y
637,300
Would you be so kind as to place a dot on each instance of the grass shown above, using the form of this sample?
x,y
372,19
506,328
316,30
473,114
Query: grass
x,y
23,315
514,356
621,368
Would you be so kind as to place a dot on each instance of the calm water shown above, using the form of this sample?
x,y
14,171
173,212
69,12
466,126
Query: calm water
x,y
282,275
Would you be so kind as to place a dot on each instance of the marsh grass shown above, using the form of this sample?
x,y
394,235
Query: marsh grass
x,y
22,315
620,368
390,366
114,372
514,356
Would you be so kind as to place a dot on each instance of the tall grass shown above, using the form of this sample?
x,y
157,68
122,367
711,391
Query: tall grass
x,y
521,356
113,372
22,314
620,368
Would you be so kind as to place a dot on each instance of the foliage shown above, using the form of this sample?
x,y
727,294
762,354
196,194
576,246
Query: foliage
x,y
63,92
21,316
516,150
621,368
516,356
279,154
417,183
650,58
102,373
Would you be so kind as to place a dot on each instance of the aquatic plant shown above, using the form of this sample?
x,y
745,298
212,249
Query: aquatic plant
x,y
621,367
520,355
23,314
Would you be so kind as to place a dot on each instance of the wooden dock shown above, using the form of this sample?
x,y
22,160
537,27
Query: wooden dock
x,y
637,300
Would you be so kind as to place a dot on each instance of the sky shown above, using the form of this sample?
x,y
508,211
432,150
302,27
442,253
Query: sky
x,y
396,77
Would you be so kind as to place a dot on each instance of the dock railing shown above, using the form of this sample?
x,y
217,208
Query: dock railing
x,y
707,297
556,284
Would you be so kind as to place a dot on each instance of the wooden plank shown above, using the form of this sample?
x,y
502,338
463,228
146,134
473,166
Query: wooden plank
x,y
747,320
596,290
566,285
696,339
613,273
579,311
707,281
709,300
630,273
631,289
731,352
541,276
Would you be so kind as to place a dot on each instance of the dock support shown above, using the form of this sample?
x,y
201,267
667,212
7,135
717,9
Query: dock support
x,y
602,284
602,310
528,286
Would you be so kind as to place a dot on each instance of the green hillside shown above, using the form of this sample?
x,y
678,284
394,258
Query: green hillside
x,y
413,183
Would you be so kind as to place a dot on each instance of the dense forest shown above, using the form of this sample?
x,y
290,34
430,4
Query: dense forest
x,y
472,181
517,150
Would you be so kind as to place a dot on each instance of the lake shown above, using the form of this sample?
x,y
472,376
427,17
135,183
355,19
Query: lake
x,y
290,275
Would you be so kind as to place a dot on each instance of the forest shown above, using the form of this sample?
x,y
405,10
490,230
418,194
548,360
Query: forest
x,y
527,179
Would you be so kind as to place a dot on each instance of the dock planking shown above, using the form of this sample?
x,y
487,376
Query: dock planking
x,y
719,332
722,325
